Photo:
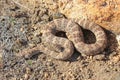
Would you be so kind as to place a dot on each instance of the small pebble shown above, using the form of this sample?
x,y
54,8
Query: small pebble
x,y
21,79
21,29
99,57
112,55
31,44
46,75
14,79
116,58
26,77
28,70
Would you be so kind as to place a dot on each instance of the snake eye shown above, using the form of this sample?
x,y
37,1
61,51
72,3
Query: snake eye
x,y
60,34
62,49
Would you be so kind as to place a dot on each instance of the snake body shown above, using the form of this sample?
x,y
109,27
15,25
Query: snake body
x,y
62,48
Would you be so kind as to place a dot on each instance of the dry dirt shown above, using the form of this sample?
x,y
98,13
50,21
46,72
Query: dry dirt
x,y
19,30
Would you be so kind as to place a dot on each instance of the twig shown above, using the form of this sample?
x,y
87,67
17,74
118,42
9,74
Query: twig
x,y
21,5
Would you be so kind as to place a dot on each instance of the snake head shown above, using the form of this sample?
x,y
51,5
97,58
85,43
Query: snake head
x,y
40,28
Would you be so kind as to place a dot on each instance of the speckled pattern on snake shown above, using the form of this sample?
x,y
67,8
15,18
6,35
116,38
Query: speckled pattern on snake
x,y
63,47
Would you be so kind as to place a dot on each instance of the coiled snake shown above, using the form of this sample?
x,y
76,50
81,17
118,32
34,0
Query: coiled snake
x,y
64,48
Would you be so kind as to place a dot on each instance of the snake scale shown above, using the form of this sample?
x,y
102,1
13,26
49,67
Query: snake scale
x,y
62,48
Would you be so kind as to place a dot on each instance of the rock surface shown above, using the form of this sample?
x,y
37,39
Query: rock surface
x,y
104,12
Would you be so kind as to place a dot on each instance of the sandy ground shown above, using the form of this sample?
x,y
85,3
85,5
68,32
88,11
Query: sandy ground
x,y
19,30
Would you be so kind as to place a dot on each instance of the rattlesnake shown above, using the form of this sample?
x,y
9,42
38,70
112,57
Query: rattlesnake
x,y
64,47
